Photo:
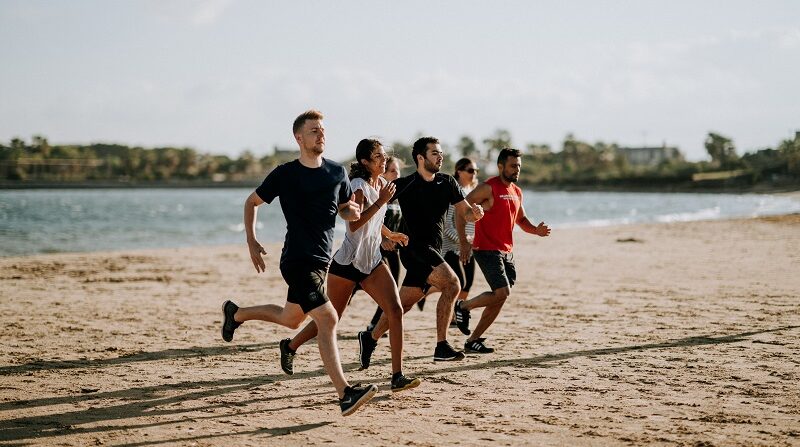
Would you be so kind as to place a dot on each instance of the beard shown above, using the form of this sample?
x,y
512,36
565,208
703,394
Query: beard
x,y
430,167
511,179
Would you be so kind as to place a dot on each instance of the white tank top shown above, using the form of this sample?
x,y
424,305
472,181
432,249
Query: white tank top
x,y
362,247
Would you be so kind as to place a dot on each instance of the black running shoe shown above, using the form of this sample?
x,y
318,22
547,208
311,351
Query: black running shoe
x,y
462,318
477,347
402,383
287,356
228,323
366,346
444,352
355,396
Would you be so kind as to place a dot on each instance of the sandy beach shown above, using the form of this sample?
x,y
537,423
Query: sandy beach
x,y
662,334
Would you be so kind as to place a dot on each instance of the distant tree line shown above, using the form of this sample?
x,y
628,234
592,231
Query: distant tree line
x,y
576,163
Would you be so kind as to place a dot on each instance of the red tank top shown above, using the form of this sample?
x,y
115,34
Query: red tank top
x,y
494,230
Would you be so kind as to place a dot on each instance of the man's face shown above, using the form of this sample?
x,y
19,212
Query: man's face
x,y
509,171
311,137
433,158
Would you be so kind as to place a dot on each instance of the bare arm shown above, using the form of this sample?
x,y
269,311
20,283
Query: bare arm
x,y
256,250
384,194
528,227
399,238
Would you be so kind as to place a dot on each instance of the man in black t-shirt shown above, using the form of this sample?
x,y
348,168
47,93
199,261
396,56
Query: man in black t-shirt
x,y
312,192
424,197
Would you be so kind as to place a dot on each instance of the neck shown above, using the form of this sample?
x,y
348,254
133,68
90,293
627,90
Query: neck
x,y
373,180
425,174
504,180
310,159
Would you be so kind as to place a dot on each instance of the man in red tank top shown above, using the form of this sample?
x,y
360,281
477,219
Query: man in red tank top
x,y
501,200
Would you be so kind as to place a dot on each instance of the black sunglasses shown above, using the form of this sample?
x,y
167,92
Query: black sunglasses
x,y
471,170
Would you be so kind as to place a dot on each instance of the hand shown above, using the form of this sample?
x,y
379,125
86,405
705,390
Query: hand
x,y
400,238
388,244
541,230
477,212
350,210
256,250
386,193
464,251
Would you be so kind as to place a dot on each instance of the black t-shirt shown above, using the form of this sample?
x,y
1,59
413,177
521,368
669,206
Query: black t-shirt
x,y
310,199
424,206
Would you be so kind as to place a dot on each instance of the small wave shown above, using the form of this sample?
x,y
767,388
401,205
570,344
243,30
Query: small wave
x,y
704,214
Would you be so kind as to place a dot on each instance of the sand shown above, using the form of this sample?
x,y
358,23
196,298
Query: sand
x,y
668,334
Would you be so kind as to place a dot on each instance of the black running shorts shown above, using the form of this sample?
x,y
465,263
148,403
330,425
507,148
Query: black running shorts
x,y
349,272
419,263
306,284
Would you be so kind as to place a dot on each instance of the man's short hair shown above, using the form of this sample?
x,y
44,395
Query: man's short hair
x,y
305,116
507,152
421,146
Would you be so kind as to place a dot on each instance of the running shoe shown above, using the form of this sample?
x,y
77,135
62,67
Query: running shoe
x,y
287,356
444,353
228,323
462,318
477,347
402,383
366,346
355,396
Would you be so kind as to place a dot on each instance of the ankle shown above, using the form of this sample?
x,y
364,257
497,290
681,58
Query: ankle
x,y
396,375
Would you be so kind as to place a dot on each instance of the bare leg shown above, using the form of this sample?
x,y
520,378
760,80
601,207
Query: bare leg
x,y
325,318
442,278
291,315
492,302
445,280
408,297
381,287
339,291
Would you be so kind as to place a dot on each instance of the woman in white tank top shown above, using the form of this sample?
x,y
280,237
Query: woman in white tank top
x,y
359,260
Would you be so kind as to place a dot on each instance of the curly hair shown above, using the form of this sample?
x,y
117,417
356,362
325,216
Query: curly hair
x,y
363,152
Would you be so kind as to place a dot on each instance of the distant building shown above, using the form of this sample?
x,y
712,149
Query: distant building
x,y
650,156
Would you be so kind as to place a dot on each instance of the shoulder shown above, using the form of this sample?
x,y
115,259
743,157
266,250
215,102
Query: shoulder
x,y
334,168
447,177
358,183
517,189
402,181
482,190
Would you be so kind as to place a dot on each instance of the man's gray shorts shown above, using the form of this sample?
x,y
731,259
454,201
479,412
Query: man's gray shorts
x,y
497,267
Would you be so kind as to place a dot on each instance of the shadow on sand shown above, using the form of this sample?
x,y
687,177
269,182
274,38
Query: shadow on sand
x,y
146,402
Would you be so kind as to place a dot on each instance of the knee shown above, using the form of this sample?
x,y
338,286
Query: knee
x,y
294,324
394,310
452,286
500,295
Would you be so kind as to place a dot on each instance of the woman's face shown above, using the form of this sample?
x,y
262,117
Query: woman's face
x,y
467,174
377,162
392,171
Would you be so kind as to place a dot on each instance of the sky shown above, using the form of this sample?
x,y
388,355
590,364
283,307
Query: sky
x,y
227,76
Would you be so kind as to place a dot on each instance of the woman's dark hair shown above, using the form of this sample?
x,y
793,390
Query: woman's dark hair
x,y
363,152
460,166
